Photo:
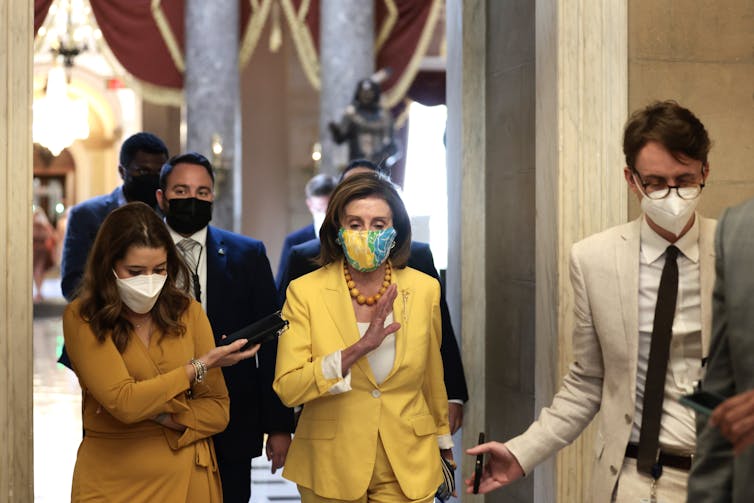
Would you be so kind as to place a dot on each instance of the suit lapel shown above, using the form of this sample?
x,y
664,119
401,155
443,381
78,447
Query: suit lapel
x,y
338,303
217,258
706,278
627,272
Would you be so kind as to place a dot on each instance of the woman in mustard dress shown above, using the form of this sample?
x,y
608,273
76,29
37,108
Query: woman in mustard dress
x,y
144,353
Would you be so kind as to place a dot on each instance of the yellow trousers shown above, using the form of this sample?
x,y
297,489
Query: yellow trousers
x,y
383,488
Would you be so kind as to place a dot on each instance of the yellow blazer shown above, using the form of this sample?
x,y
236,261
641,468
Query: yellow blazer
x,y
334,447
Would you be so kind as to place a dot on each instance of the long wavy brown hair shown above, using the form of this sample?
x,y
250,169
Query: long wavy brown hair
x,y
132,225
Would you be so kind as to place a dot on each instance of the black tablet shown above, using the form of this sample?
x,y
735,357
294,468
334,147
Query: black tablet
x,y
259,332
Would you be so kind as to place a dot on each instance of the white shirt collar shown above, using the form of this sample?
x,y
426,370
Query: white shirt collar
x,y
653,245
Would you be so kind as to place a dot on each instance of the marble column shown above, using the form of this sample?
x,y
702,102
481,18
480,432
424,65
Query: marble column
x,y
16,458
582,95
213,107
346,42
466,277
536,105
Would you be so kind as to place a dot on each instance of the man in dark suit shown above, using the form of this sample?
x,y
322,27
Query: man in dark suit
x,y
141,157
318,191
231,277
301,261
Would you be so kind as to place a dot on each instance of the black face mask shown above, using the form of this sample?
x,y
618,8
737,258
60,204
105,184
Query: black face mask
x,y
141,188
188,215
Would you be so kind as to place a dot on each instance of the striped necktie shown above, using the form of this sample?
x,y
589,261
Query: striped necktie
x,y
187,247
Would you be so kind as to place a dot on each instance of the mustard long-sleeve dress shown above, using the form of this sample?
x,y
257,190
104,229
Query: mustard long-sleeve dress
x,y
125,456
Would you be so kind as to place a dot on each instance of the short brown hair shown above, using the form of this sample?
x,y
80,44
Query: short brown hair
x,y
361,186
134,224
671,125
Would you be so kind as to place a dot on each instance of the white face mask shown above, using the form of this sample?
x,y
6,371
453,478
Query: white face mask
x,y
671,213
140,293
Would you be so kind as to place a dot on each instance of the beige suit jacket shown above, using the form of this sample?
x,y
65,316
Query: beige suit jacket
x,y
602,378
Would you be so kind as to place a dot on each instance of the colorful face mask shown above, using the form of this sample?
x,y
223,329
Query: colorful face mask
x,y
366,250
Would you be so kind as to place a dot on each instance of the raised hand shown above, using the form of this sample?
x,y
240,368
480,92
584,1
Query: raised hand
x,y
500,469
377,330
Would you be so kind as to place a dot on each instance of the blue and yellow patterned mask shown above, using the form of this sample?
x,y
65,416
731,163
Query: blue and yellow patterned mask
x,y
366,250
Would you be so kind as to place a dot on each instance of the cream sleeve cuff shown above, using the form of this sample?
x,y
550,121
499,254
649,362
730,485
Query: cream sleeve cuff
x,y
445,441
331,369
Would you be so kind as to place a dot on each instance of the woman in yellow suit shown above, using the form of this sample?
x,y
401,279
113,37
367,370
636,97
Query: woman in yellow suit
x,y
146,360
362,355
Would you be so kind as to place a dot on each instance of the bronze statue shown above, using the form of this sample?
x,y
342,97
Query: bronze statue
x,y
367,126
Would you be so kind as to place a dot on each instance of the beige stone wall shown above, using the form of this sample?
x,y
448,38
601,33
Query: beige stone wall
x,y
701,54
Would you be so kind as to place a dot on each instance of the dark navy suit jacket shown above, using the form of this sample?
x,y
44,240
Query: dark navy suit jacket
x,y
240,291
84,220
296,237
301,262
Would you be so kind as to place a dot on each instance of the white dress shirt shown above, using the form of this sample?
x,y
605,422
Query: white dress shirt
x,y
677,425
200,237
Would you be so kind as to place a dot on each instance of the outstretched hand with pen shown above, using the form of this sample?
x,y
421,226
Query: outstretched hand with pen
x,y
501,468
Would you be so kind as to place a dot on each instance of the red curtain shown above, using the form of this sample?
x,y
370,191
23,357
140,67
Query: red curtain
x,y
403,40
152,52
398,50
131,31
40,13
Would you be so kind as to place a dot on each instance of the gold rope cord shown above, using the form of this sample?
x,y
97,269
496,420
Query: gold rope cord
x,y
254,28
167,35
387,25
302,39
396,93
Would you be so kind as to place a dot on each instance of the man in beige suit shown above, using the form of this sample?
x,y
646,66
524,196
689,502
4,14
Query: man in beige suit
x,y
616,276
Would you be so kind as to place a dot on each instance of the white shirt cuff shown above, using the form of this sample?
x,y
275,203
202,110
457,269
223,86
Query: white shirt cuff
x,y
455,400
331,369
445,441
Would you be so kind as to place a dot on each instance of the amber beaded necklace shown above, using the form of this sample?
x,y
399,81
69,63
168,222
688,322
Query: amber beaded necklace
x,y
356,294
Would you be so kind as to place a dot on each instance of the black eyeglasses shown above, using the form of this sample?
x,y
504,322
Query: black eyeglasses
x,y
660,189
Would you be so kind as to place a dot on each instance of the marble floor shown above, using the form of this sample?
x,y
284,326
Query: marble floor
x,y
57,416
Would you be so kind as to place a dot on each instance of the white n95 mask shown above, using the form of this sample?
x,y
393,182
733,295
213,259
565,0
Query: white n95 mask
x,y
671,213
140,293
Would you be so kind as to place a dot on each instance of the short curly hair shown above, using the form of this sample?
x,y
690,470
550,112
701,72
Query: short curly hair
x,y
671,125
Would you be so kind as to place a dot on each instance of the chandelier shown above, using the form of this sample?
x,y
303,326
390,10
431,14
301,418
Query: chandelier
x,y
58,119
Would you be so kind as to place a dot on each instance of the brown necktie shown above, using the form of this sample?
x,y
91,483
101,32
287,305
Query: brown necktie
x,y
659,352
